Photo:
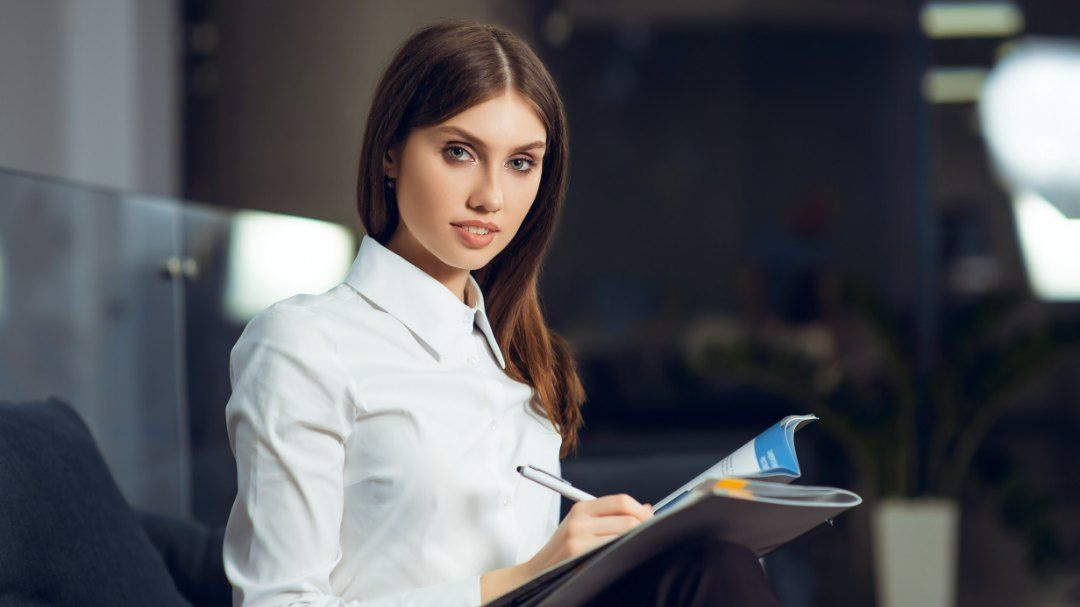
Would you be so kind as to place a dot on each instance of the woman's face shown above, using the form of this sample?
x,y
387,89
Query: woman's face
x,y
480,166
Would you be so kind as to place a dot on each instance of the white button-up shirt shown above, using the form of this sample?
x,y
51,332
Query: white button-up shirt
x,y
376,437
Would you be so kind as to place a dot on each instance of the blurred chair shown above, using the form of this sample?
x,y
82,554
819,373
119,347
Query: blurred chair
x,y
68,536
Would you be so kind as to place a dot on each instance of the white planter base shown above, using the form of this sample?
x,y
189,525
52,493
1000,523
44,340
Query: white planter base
x,y
915,551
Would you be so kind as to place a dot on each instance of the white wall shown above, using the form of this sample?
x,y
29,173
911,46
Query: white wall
x,y
89,91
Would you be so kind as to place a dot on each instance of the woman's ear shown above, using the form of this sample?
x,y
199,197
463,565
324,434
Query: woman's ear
x,y
391,161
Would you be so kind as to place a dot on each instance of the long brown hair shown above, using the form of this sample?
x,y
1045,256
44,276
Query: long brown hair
x,y
438,72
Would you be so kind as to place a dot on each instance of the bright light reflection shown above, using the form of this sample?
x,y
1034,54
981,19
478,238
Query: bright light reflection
x,y
953,84
971,19
1051,247
1030,113
274,256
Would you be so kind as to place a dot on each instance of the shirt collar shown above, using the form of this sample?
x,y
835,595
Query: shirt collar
x,y
424,305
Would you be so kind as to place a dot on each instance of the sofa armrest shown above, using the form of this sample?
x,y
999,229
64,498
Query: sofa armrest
x,y
192,553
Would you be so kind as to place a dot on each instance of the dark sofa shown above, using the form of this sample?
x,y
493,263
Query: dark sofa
x,y
68,536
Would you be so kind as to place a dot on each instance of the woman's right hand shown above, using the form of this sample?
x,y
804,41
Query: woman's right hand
x,y
588,524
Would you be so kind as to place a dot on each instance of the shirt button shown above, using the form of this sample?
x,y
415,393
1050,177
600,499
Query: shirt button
x,y
473,360
506,500
494,425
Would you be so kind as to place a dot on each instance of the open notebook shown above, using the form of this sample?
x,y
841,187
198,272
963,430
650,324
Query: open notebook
x,y
744,498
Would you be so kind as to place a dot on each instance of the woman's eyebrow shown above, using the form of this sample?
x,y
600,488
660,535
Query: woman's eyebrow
x,y
473,139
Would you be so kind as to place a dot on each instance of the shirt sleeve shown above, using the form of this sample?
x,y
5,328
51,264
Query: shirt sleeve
x,y
288,419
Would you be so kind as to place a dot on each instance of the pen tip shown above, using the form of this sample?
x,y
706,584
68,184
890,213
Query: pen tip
x,y
519,469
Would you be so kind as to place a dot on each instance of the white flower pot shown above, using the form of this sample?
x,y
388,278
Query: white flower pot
x,y
915,551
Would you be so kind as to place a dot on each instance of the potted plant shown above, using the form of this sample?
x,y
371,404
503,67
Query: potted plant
x,y
910,431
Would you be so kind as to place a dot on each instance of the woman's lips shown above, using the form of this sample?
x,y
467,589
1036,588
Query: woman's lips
x,y
474,241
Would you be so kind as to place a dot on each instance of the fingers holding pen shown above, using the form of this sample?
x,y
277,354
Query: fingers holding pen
x,y
616,504
591,520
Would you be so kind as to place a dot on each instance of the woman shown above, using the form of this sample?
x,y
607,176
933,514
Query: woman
x,y
377,426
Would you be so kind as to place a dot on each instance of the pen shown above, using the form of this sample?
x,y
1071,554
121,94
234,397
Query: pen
x,y
553,482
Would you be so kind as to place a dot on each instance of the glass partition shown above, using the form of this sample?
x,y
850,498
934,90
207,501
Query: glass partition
x,y
127,307
91,314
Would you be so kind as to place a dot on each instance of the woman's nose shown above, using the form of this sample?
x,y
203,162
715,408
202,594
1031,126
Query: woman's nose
x,y
488,194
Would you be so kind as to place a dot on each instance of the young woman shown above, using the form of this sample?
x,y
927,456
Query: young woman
x,y
377,426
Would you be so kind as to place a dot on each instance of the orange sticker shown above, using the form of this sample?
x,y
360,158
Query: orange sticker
x,y
734,486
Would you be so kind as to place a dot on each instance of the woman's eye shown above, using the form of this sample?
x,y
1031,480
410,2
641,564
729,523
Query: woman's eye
x,y
459,148
528,161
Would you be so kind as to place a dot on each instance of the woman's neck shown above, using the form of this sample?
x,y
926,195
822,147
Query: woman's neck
x,y
454,279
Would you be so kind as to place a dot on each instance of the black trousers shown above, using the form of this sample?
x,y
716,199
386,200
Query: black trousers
x,y
705,572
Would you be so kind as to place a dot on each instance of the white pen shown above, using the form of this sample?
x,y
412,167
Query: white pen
x,y
553,482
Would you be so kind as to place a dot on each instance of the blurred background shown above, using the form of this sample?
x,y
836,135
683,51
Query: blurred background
x,y
869,211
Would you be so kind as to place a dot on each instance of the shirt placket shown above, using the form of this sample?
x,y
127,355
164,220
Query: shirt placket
x,y
499,437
